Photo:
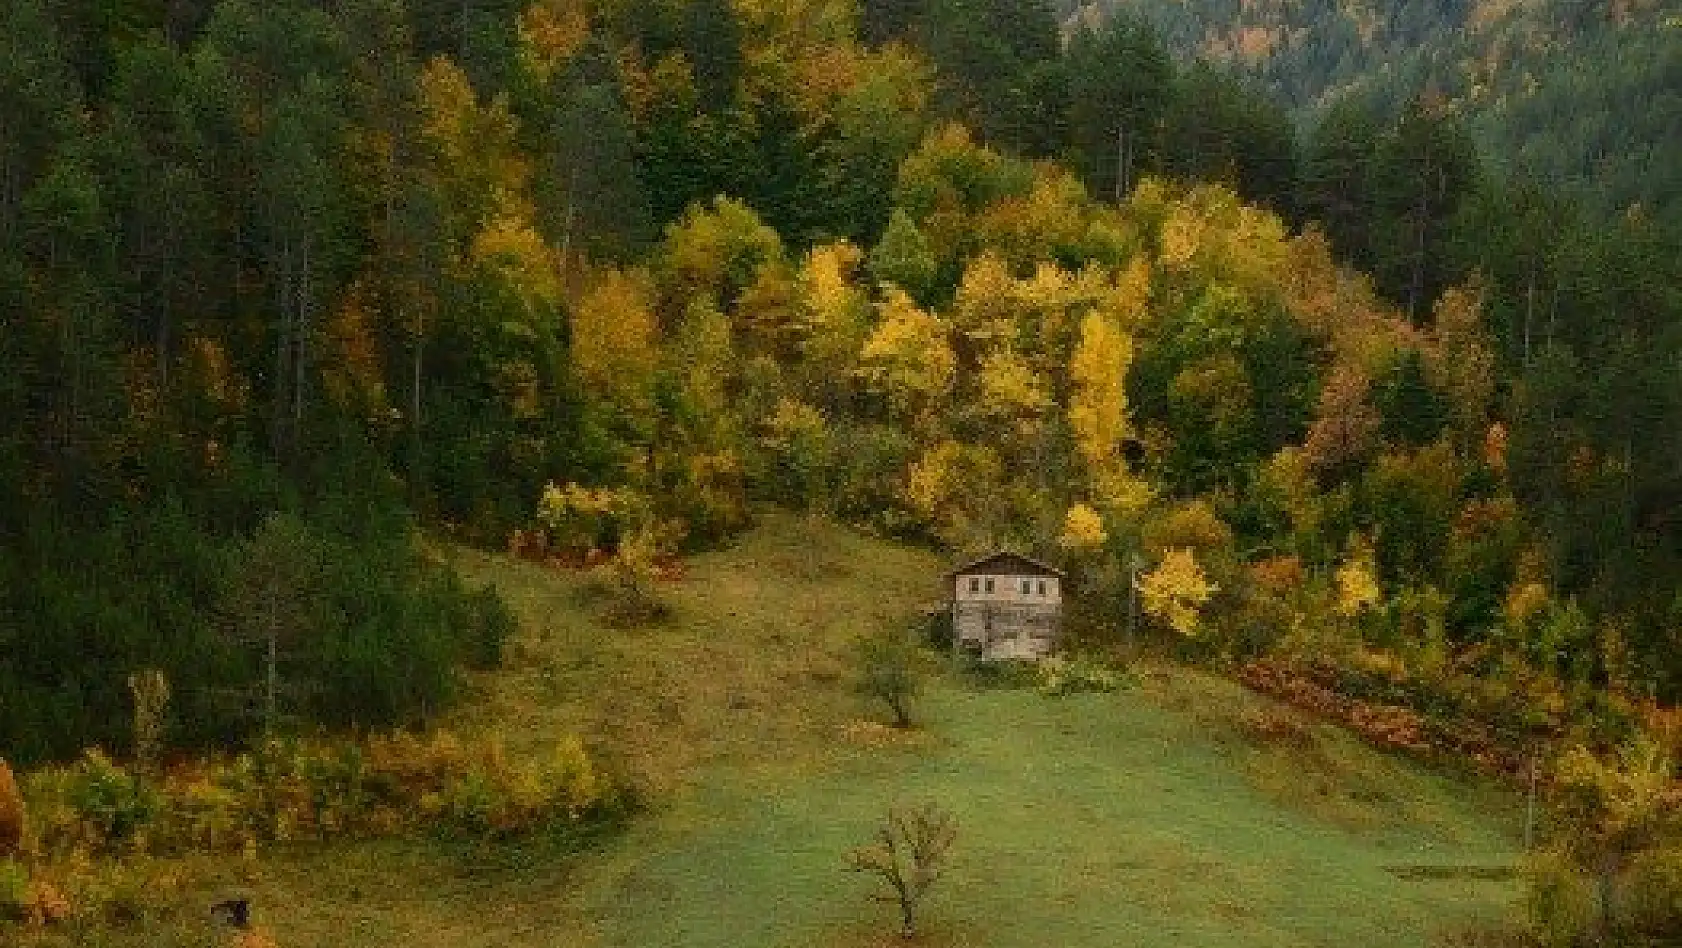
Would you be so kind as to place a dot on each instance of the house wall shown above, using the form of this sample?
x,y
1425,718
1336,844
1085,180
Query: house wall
x,y
1007,588
1006,623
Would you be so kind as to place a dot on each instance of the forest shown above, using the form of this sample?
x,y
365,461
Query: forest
x,y
1356,383
296,291
1579,95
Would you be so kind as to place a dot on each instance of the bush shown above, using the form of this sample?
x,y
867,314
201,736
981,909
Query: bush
x,y
11,813
888,671
14,891
116,804
478,620
1008,673
1655,894
292,789
500,799
1076,674
1560,901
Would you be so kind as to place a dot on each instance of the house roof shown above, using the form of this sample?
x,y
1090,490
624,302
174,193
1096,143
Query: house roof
x,y
1004,561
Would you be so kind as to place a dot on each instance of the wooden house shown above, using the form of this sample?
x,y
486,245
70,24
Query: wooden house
x,y
1006,605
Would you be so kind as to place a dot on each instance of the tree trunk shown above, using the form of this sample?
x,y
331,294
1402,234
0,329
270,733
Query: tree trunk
x,y
902,712
271,671
306,306
1608,871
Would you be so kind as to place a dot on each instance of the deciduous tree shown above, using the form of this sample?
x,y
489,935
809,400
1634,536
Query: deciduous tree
x,y
910,854
1176,590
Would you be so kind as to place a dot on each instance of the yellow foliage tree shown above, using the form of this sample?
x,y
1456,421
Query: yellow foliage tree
x,y
1182,237
512,249
827,287
908,357
832,318
948,178
1288,477
932,479
1128,301
704,358
1010,389
952,489
718,250
614,335
1523,601
1192,525
550,31
1120,491
1098,407
1176,590
1083,529
801,445
768,311
1463,361
1210,230
1357,581
982,309
1050,217
475,159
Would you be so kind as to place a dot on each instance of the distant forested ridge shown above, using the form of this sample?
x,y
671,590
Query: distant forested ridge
x,y
288,285
1584,96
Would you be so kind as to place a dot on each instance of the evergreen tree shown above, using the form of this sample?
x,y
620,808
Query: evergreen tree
x,y
1120,86
590,196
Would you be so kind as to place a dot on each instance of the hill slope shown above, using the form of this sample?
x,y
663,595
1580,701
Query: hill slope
x,y
1095,820
1582,94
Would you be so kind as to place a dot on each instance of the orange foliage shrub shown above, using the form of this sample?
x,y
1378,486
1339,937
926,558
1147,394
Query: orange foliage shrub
x,y
1275,726
11,813
47,905
253,938
1278,575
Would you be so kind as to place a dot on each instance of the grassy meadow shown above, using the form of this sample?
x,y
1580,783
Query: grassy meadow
x,y
1157,814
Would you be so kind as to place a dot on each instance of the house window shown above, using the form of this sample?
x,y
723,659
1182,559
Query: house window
x,y
1042,587
989,584
1026,588
974,585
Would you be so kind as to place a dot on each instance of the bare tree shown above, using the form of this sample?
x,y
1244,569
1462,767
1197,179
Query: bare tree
x,y
910,854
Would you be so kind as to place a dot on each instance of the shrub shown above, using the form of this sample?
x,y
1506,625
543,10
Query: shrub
x,y
478,620
14,890
29,900
1655,894
1080,673
295,789
11,813
1009,673
630,578
1275,726
887,671
1560,901
579,519
114,803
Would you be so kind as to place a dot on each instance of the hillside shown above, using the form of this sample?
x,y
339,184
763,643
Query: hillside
x,y
1578,94
300,295
1084,819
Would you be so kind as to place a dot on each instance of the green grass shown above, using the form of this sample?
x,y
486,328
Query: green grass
x,y
1092,820
1148,816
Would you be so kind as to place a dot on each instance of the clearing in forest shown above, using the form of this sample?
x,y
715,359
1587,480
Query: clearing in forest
x,y
1152,815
